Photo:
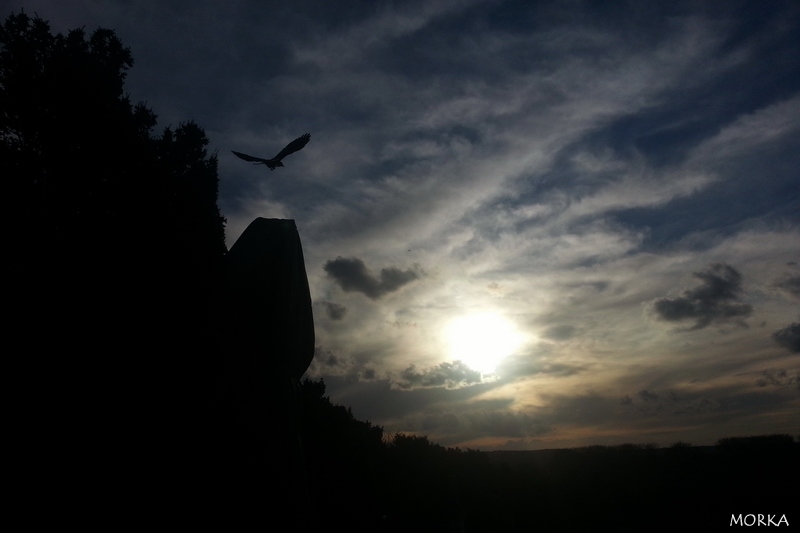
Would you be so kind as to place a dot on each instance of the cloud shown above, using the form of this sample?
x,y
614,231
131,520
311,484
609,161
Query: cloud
x,y
789,285
647,396
781,378
579,408
444,421
651,403
449,375
789,337
507,424
559,333
352,276
334,311
716,300
525,365
384,401
326,358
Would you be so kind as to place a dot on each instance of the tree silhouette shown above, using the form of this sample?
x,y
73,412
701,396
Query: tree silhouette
x,y
115,243
79,159
346,453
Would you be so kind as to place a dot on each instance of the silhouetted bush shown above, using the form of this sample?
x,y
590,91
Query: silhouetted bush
x,y
344,458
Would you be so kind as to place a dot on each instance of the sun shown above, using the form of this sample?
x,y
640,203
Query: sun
x,y
481,341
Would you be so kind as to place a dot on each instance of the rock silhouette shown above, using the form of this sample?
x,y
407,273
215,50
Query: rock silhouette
x,y
267,346
268,299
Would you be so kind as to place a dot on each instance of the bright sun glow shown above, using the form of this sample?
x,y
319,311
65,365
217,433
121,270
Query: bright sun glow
x,y
481,341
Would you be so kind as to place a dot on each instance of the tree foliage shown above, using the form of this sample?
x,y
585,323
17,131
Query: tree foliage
x,y
100,209
81,162
115,242
344,454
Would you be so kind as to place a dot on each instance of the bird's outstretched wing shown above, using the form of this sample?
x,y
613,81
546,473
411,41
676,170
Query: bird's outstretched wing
x,y
248,157
292,147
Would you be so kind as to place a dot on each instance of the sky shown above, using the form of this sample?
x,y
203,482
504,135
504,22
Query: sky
x,y
526,225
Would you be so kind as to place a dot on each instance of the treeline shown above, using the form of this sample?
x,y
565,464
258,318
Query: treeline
x,y
104,217
114,245
365,480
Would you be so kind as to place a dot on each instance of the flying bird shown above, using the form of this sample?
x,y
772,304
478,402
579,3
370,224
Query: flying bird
x,y
290,148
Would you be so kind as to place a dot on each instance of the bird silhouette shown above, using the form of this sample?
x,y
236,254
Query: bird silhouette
x,y
290,148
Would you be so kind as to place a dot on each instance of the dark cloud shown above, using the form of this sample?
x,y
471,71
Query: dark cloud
x,y
590,408
381,399
334,311
779,378
790,285
325,357
448,375
352,275
717,299
506,424
494,404
445,421
492,423
559,333
647,396
328,363
789,337
651,403
560,369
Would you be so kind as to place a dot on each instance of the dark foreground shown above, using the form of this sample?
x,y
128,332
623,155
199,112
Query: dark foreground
x,y
407,483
